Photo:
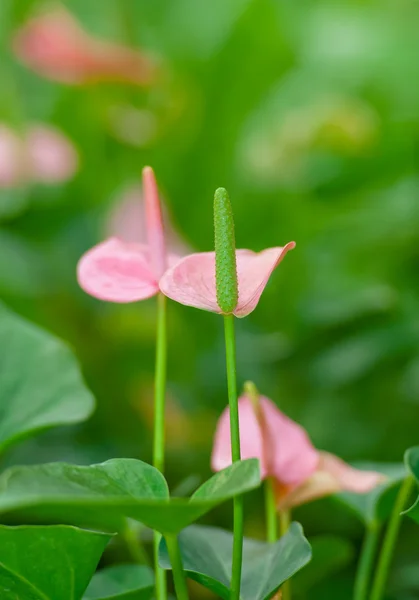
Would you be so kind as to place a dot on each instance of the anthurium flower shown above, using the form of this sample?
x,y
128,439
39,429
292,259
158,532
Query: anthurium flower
x,y
55,46
191,281
117,271
301,472
40,153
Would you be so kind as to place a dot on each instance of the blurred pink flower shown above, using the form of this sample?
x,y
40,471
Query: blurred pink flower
x,y
192,280
41,154
55,46
286,454
51,158
117,271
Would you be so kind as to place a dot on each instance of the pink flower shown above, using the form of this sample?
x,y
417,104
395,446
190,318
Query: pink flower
x,y
192,280
41,154
54,45
286,454
117,271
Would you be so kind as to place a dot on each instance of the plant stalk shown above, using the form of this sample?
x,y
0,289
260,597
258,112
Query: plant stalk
x,y
284,524
159,427
366,561
390,538
179,578
270,511
238,506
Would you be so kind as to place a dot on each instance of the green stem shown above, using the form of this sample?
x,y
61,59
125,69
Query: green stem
x,y
135,546
390,539
230,343
284,525
270,511
158,442
366,561
179,578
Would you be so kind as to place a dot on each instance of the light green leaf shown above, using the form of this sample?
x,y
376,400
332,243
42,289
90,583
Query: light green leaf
x,y
40,382
48,563
207,558
412,463
377,504
121,582
103,495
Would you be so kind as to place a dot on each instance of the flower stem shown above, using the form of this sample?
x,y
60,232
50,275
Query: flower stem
x,y
230,343
390,539
270,511
284,525
366,561
135,546
158,442
177,567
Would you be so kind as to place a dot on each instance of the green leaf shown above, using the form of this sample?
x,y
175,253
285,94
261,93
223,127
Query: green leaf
x,y
206,554
412,463
330,554
40,382
48,563
104,494
121,582
377,504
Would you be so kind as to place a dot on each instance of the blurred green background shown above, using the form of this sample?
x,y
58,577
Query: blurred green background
x,y
308,113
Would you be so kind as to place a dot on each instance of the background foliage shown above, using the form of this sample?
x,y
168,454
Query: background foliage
x,y
307,113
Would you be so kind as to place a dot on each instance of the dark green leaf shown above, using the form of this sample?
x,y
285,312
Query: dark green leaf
x,y
40,382
206,553
377,504
104,494
121,582
48,563
330,554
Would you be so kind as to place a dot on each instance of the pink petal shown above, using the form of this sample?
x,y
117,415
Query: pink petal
x,y
250,438
51,158
54,45
192,280
348,478
292,456
154,220
332,475
253,271
117,272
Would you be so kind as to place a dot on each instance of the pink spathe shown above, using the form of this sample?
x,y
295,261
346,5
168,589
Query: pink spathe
x,y
192,280
51,158
301,473
40,154
55,46
282,446
118,271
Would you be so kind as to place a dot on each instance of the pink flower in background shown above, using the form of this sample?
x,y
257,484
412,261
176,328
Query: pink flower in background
x,y
55,46
301,472
41,154
51,158
192,280
117,271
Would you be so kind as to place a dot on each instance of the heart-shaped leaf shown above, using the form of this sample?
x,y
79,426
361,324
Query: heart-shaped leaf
x,y
412,463
377,504
48,563
40,382
121,582
207,558
104,495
